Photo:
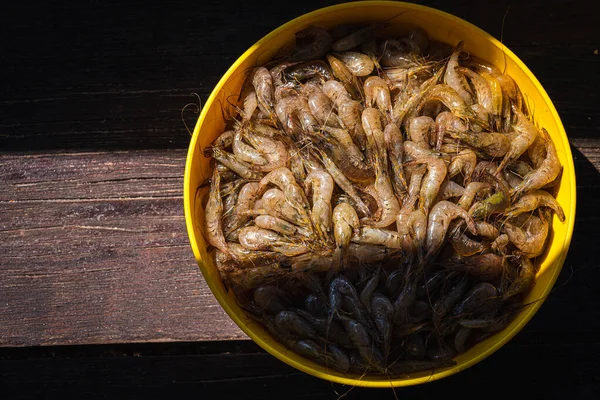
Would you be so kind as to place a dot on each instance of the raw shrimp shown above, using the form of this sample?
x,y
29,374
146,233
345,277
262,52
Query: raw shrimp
x,y
245,201
244,257
377,92
460,339
358,63
399,53
519,168
344,183
449,98
263,85
274,151
277,72
497,99
500,244
331,357
384,237
365,253
416,177
436,173
465,162
311,43
322,185
322,108
214,212
255,276
355,38
513,94
496,202
344,139
483,92
388,206
263,129
307,120
348,79
419,131
524,280
246,153
274,203
487,267
479,302
491,143
270,298
401,108
279,225
310,69
412,228
439,219
546,172
338,288
404,302
531,201
254,238
250,104
526,133
448,122
537,151
395,150
284,180
511,178
336,92
292,323
464,245
361,339
345,224
486,230
369,288
454,78
449,189
350,112
446,301
233,163
223,141
383,314
529,237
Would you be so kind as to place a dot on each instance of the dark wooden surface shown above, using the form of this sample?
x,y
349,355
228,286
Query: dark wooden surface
x,y
100,295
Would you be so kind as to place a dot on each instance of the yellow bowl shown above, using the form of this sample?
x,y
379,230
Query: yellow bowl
x,y
441,27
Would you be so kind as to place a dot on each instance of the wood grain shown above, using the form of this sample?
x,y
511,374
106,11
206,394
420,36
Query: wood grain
x,y
95,250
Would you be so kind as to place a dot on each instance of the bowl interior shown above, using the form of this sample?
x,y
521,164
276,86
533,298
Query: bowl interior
x,y
441,27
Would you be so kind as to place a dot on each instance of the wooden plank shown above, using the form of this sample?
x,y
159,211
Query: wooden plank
x,y
95,251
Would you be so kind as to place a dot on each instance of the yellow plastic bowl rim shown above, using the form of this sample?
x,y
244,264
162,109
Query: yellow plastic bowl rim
x,y
295,360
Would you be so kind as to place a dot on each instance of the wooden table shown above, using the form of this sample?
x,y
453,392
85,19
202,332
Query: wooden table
x,y
99,290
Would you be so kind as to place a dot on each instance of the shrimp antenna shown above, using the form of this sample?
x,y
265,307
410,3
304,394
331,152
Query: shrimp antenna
x,y
198,108
502,36
394,17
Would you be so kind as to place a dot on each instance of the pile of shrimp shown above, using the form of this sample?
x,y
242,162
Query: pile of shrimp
x,y
378,203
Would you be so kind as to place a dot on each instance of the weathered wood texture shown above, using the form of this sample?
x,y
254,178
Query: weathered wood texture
x,y
94,250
